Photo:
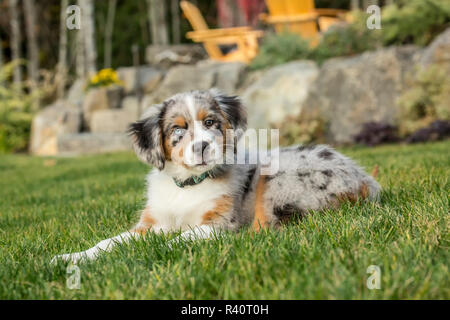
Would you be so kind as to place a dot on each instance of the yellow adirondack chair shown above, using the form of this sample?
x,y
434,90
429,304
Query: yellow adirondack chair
x,y
245,38
301,17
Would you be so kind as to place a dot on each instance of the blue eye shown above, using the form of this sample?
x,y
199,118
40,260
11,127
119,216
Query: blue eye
x,y
179,131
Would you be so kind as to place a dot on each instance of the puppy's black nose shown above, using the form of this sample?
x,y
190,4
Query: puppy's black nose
x,y
199,147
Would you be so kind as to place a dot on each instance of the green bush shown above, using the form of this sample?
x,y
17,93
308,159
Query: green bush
x,y
414,21
426,99
279,49
346,40
16,112
407,22
304,129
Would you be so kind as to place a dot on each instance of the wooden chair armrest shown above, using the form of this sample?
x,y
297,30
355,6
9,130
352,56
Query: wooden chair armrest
x,y
331,12
200,36
311,16
237,30
225,39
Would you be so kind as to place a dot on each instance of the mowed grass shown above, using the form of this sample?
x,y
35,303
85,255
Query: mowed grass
x,y
53,206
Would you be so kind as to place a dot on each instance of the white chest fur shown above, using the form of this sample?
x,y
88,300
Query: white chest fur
x,y
176,208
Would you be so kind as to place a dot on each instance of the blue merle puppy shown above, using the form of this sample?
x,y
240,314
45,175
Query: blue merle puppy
x,y
191,189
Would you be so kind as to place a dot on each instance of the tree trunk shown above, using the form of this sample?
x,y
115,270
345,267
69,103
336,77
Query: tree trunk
x,y
88,27
62,54
33,49
15,39
354,4
1,52
109,32
175,13
1,57
80,49
158,26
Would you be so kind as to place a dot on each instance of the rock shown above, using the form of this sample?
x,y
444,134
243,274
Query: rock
x,y
278,93
77,92
93,143
143,78
112,120
230,76
131,104
203,76
54,120
184,78
167,56
101,99
352,91
438,51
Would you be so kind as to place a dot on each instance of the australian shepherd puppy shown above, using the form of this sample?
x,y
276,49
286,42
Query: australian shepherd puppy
x,y
194,187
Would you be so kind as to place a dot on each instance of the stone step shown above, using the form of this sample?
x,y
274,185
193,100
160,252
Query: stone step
x,y
92,143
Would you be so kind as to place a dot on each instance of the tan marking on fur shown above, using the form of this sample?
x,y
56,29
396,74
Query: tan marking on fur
x,y
222,206
375,171
260,220
145,222
180,121
202,114
167,149
362,194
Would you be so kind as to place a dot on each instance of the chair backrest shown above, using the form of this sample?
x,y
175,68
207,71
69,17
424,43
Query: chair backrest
x,y
286,8
295,7
289,7
197,22
276,7
194,16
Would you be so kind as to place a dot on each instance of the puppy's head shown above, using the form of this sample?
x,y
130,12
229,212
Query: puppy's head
x,y
192,130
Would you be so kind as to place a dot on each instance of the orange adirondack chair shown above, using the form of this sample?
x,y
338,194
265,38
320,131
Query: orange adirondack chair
x,y
245,38
301,16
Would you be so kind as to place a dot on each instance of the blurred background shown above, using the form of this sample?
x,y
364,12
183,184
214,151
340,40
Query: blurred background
x,y
74,74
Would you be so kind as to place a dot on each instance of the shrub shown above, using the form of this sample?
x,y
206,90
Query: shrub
x,y
426,100
279,49
345,40
16,111
414,21
437,130
303,129
376,133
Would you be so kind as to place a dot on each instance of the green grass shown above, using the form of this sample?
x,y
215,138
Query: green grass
x,y
57,206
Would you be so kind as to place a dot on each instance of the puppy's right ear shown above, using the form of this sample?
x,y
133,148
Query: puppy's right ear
x,y
147,139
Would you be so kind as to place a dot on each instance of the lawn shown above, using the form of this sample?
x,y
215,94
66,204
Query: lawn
x,y
51,206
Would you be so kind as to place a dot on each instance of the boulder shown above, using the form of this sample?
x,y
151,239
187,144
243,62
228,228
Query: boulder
x,y
144,78
438,51
112,120
167,56
351,91
229,76
131,104
77,92
279,92
54,120
203,76
92,143
101,99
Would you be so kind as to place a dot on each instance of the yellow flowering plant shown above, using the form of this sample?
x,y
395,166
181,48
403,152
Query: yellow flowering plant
x,y
104,78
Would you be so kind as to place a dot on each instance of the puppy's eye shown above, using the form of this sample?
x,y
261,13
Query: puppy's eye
x,y
179,131
209,122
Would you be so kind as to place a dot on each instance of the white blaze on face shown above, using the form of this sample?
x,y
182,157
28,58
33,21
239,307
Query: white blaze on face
x,y
193,153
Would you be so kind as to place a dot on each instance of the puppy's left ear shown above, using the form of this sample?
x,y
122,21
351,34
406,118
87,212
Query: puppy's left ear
x,y
233,110
147,139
